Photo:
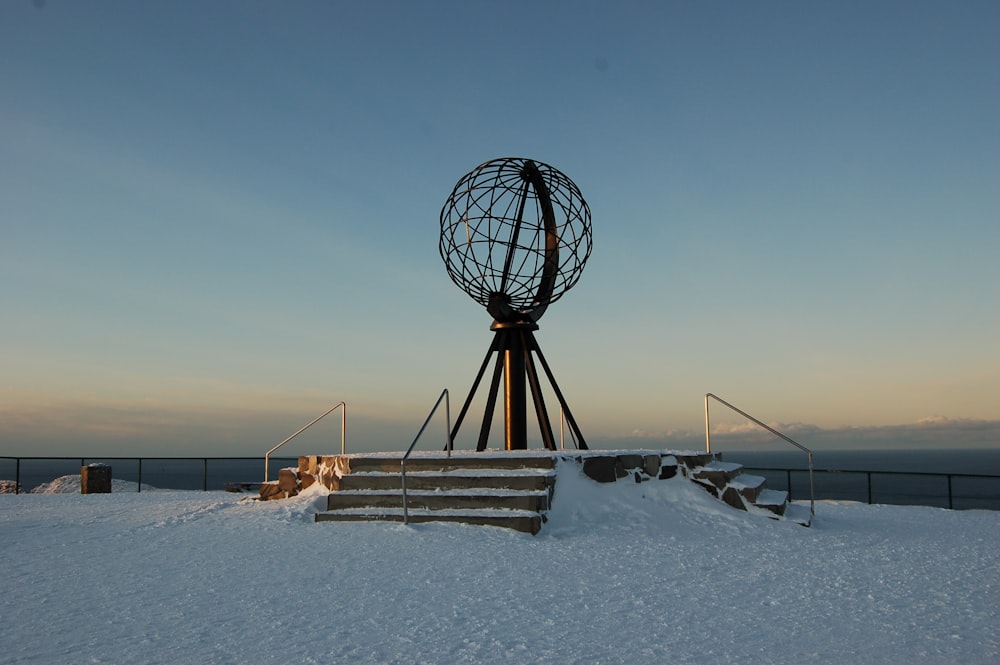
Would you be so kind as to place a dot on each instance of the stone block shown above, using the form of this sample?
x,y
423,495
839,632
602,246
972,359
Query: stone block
x,y
631,461
717,473
269,491
95,479
651,465
288,480
668,471
306,480
330,480
308,463
604,469
732,496
708,487
694,460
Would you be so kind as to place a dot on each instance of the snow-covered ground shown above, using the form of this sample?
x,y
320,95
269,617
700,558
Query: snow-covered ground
x,y
624,573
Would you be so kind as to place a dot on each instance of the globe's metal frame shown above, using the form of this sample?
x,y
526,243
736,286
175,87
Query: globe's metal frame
x,y
515,236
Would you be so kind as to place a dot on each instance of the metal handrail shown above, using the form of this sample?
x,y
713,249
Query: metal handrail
x,y
406,455
343,434
708,442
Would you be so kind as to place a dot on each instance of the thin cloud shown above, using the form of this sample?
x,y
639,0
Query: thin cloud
x,y
930,432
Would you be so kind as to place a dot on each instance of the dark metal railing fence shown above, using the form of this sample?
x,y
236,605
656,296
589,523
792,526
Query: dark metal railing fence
x,y
945,490
197,473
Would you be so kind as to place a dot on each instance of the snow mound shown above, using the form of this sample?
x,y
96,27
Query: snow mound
x,y
674,505
622,573
71,484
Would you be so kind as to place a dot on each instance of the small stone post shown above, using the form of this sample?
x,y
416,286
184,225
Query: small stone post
x,y
95,479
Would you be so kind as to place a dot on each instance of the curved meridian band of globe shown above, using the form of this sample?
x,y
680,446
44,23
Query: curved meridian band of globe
x,y
515,236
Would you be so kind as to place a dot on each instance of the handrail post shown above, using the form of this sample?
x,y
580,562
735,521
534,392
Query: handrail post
x,y
447,416
708,427
812,489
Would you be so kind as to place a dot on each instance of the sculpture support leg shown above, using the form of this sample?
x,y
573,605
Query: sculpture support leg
x,y
562,400
544,425
475,387
516,365
491,399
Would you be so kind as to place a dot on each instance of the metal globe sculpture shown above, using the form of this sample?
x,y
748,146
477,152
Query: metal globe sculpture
x,y
515,236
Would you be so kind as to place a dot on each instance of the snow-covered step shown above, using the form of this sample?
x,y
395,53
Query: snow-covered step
x,y
439,499
774,501
512,490
436,462
465,478
749,486
717,473
799,513
520,520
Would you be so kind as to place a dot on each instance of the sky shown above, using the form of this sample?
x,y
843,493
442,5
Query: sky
x,y
218,219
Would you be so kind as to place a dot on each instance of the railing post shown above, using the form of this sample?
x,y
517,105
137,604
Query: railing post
x,y
950,503
708,428
447,423
869,474
204,474
17,476
138,480
788,475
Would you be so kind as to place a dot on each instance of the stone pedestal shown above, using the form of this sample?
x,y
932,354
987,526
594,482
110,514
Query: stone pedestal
x,y
95,479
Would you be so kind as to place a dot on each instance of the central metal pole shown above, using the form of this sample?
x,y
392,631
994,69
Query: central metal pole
x,y
515,397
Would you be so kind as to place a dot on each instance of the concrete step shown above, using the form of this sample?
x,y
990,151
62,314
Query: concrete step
x,y
441,499
749,486
773,501
717,473
524,521
506,490
438,462
744,491
463,479
799,513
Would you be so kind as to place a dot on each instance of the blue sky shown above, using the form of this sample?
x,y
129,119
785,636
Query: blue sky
x,y
220,218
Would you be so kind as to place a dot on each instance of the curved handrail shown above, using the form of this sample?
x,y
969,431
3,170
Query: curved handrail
x,y
708,442
406,455
343,434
